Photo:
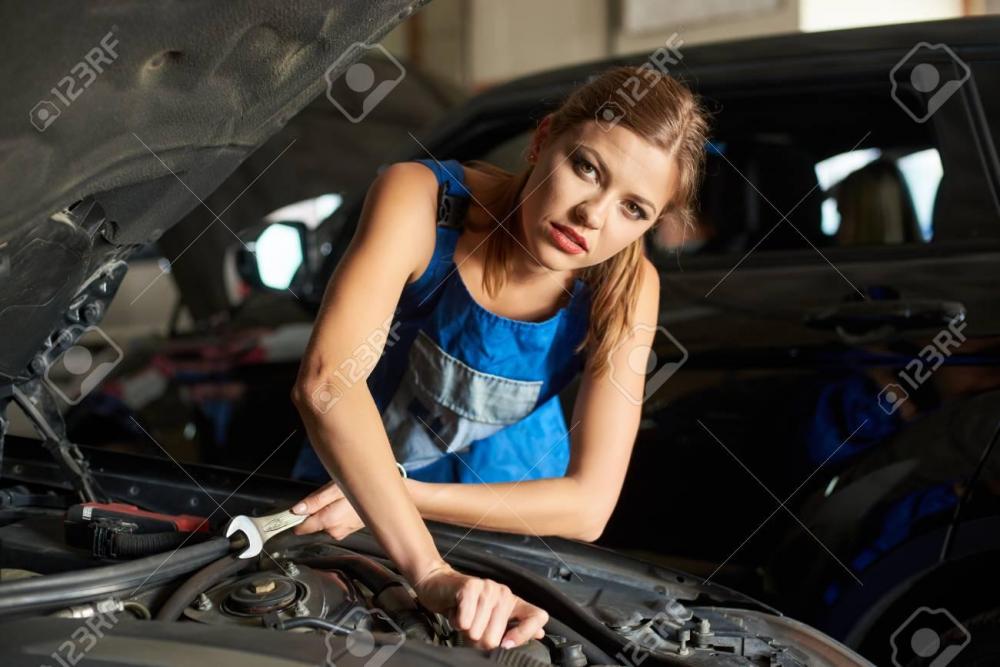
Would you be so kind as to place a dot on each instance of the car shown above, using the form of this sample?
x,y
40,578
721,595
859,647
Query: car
x,y
820,424
109,556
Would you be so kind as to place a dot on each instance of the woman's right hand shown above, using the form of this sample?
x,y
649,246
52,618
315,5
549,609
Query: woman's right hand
x,y
481,608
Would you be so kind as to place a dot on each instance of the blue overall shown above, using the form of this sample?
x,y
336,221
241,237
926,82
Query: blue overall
x,y
467,395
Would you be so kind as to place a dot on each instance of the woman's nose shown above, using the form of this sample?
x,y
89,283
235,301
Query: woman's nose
x,y
589,214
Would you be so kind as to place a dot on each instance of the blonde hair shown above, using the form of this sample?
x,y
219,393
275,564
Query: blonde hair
x,y
875,207
668,116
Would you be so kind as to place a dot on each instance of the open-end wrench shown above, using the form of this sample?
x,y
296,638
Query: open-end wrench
x,y
259,529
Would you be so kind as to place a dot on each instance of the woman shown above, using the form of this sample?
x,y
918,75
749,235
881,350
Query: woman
x,y
523,281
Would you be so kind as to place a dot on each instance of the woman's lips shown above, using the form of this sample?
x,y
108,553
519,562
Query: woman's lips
x,y
566,240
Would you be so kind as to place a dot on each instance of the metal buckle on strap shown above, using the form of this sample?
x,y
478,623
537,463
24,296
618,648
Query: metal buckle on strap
x,y
451,208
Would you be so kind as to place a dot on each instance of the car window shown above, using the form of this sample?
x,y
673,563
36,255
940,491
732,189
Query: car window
x,y
899,192
828,167
817,172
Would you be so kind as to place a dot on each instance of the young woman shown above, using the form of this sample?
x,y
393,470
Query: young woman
x,y
524,281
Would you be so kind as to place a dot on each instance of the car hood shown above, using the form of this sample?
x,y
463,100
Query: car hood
x,y
119,118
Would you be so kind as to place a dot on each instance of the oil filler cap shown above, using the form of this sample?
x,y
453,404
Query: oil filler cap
x,y
261,594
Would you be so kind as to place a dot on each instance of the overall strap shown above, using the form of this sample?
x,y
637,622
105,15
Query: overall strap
x,y
453,197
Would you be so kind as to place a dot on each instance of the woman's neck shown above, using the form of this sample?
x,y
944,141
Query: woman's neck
x,y
525,269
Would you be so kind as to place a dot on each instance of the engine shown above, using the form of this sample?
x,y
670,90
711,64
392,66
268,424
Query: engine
x,y
84,587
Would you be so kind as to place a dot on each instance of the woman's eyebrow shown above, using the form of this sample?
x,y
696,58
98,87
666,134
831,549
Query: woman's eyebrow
x,y
604,167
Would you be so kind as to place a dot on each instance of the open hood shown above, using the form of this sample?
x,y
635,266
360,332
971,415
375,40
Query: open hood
x,y
118,120
119,117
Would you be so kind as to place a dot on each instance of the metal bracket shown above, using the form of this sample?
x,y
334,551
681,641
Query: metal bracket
x,y
40,407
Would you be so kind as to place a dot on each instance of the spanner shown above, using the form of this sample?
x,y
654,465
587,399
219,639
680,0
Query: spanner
x,y
259,529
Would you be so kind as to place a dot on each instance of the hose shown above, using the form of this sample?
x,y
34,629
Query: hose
x,y
594,654
59,590
198,583
513,658
313,622
140,610
375,576
388,590
136,545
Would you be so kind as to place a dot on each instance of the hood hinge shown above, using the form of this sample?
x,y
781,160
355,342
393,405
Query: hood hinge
x,y
38,404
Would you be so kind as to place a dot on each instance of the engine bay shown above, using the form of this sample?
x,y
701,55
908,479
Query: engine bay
x,y
113,583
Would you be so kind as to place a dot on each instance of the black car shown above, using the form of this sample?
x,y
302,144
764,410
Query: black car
x,y
820,424
111,557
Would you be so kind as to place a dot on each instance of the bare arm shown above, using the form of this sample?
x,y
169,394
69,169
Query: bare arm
x,y
394,242
602,433
347,433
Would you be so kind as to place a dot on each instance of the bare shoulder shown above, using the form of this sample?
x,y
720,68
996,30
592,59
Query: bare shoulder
x,y
400,215
406,184
649,288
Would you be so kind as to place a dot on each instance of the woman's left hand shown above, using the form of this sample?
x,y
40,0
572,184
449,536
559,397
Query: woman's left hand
x,y
329,511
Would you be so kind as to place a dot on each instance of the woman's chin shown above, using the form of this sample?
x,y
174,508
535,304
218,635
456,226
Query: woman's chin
x,y
554,259
547,254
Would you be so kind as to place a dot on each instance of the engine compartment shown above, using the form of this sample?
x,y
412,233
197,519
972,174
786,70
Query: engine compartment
x,y
311,600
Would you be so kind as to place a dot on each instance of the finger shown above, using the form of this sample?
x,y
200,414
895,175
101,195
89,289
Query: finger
x,y
339,519
340,534
311,525
484,609
317,522
530,619
467,599
318,499
498,619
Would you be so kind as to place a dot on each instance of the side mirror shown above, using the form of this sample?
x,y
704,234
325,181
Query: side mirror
x,y
285,251
276,256
280,251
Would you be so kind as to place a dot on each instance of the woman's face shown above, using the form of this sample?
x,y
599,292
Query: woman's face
x,y
603,188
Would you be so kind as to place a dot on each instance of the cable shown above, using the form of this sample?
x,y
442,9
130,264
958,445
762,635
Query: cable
x,y
949,536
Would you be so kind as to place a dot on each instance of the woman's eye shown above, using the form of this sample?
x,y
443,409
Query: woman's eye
x,y
636,210
585,167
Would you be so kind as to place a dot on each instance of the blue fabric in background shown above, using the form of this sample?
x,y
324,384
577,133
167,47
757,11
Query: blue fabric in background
x,y
841,407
